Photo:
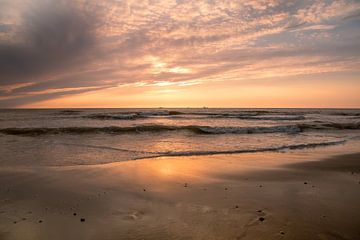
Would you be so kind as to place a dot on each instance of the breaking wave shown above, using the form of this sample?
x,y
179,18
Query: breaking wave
x,y
296,128
141,115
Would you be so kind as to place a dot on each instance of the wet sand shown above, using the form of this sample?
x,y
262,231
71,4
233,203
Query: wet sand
x,y
246,196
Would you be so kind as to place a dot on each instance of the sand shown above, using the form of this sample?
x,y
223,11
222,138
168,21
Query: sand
x,y
246,196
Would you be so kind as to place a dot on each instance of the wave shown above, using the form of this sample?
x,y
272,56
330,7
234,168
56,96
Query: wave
x,y
132,115
148,128
330,126
249,130
114,117
238,151
68,112
271,118
86,130
175,114
296,128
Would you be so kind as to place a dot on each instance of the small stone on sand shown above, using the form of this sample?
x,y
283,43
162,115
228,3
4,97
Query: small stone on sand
x,y
305,182
261,219
282,233
236,206
185,184
40,221
144,190
74,214
226,188
82,220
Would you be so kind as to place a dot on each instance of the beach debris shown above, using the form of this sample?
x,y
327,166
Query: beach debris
x,y
185,184
82,219
261,219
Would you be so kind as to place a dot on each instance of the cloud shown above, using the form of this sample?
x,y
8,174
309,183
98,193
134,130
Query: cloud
x,y
52,37
52,48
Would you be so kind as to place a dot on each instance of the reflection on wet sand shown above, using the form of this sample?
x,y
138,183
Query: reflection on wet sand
x,y
252,196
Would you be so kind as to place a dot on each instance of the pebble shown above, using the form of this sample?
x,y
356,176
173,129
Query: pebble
x,y
82,220
261,219
74,214
40,221
236,206
305,182
282,233
144,190
185,184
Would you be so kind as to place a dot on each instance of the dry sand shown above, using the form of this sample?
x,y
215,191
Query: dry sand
x,y
247,196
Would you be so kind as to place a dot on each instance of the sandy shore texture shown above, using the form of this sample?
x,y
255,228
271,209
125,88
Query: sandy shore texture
x,y
247,196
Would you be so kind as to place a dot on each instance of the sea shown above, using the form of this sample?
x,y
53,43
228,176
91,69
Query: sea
x,y
66,137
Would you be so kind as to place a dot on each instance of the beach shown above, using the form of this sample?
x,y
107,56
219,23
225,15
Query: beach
x,y
179,174
247,196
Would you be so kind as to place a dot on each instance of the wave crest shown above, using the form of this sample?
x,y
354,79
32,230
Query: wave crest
x,y
296,128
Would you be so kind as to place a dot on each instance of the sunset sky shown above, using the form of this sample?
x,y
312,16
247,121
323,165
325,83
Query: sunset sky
x,y
179,53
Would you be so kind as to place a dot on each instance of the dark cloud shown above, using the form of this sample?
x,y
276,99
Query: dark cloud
x,y
53,36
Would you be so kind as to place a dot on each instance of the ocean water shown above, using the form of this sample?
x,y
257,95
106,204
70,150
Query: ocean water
x,y
61,137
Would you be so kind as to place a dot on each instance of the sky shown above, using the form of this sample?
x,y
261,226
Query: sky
x,y
179,53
